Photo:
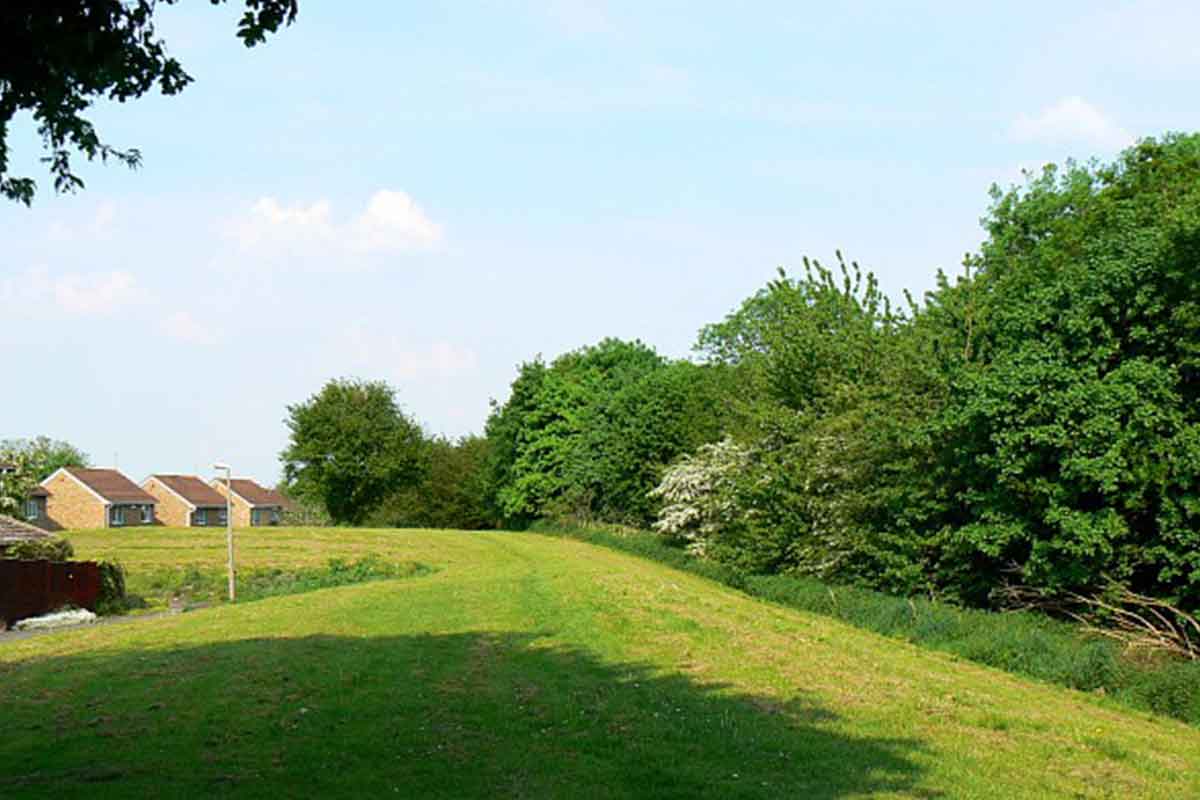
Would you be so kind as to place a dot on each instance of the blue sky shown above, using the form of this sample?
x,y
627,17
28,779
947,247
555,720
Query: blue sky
x,y
430,194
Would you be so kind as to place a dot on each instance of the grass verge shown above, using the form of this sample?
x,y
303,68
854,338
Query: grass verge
x,y
532,666
1023,643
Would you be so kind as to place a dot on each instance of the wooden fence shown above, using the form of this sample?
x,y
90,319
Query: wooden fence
x,y
30,588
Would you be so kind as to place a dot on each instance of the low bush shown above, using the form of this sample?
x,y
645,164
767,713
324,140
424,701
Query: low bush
x,y
113,599
194,584
54,548
1024,643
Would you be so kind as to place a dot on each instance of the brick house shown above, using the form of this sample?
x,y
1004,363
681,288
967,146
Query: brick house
x,y
253,504
185,501
95,498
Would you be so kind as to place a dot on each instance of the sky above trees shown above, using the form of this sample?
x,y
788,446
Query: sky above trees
x,y
430,194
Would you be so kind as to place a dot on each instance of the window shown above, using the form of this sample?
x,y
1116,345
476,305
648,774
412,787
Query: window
x,y
222,517
200,518
31,509
147,515
274,516
254,516
116,516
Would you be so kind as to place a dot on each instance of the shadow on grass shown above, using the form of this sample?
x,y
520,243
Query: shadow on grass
x,y
461,715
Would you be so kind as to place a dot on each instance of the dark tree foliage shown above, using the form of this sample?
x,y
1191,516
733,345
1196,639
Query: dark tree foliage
x,y
453,493
1036,422
587,436
350,447
1069,448
58,56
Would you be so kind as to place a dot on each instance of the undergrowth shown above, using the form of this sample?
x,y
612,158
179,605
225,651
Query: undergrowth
x,y
1024,643
195,584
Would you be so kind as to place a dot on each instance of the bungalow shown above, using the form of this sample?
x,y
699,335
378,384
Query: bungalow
x,y
185,501
252,504
95,498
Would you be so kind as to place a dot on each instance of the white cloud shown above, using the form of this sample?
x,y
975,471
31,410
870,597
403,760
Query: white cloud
x,y
391,222
184,327
389,355
105,293
37,291
1071,121
581,17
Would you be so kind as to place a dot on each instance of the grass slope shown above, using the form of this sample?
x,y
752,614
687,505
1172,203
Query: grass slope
x,y
527,666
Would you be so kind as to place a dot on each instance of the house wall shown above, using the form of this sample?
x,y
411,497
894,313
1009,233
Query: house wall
x,y
212,517
72,506
241,509
133,515
171,510
42,521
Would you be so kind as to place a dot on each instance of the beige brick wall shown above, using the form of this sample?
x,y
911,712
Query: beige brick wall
x,y
171,510
241,509
70,505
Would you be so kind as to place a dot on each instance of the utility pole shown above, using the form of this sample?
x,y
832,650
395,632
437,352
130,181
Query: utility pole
x,y
229,523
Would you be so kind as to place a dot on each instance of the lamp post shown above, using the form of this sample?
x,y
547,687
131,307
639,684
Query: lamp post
x,y
228,521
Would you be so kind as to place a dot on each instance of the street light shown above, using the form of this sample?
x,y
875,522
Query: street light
x,y
228,520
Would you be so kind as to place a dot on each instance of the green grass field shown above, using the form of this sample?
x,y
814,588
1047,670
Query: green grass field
x,y
529,666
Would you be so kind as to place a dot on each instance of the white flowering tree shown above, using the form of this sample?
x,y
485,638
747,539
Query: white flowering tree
x,y
697,495
17,480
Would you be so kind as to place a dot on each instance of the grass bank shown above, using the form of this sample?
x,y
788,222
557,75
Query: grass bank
x,y
531,666
1026,644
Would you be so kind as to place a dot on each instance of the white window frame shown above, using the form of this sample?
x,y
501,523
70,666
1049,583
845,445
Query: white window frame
x,y
223,516
200,517
116,516
32,510
147,515
275,516
254,516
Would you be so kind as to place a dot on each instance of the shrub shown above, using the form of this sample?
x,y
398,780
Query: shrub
x,y
53,549
112,599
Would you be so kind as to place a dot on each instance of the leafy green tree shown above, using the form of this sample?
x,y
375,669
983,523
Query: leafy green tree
x,y
43,455
1070,445
350,447
57,57
588,436
452,494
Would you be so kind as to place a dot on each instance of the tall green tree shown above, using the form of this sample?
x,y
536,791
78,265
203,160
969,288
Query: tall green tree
x,y
57,57
1070,446
350,447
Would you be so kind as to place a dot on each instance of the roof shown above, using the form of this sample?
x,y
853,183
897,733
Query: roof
x,y
111,485
13,531
38,491
256,495
191,489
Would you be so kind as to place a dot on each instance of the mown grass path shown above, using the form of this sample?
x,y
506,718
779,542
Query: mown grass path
x,y
529,666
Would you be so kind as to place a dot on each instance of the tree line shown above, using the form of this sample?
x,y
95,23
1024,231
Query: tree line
x,y
1032,422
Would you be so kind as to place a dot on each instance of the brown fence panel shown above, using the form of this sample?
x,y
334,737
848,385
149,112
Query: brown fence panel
x,y
30,588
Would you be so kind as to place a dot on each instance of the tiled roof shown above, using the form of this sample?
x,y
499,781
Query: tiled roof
x,y
111,485
256,495
13,530
192,489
